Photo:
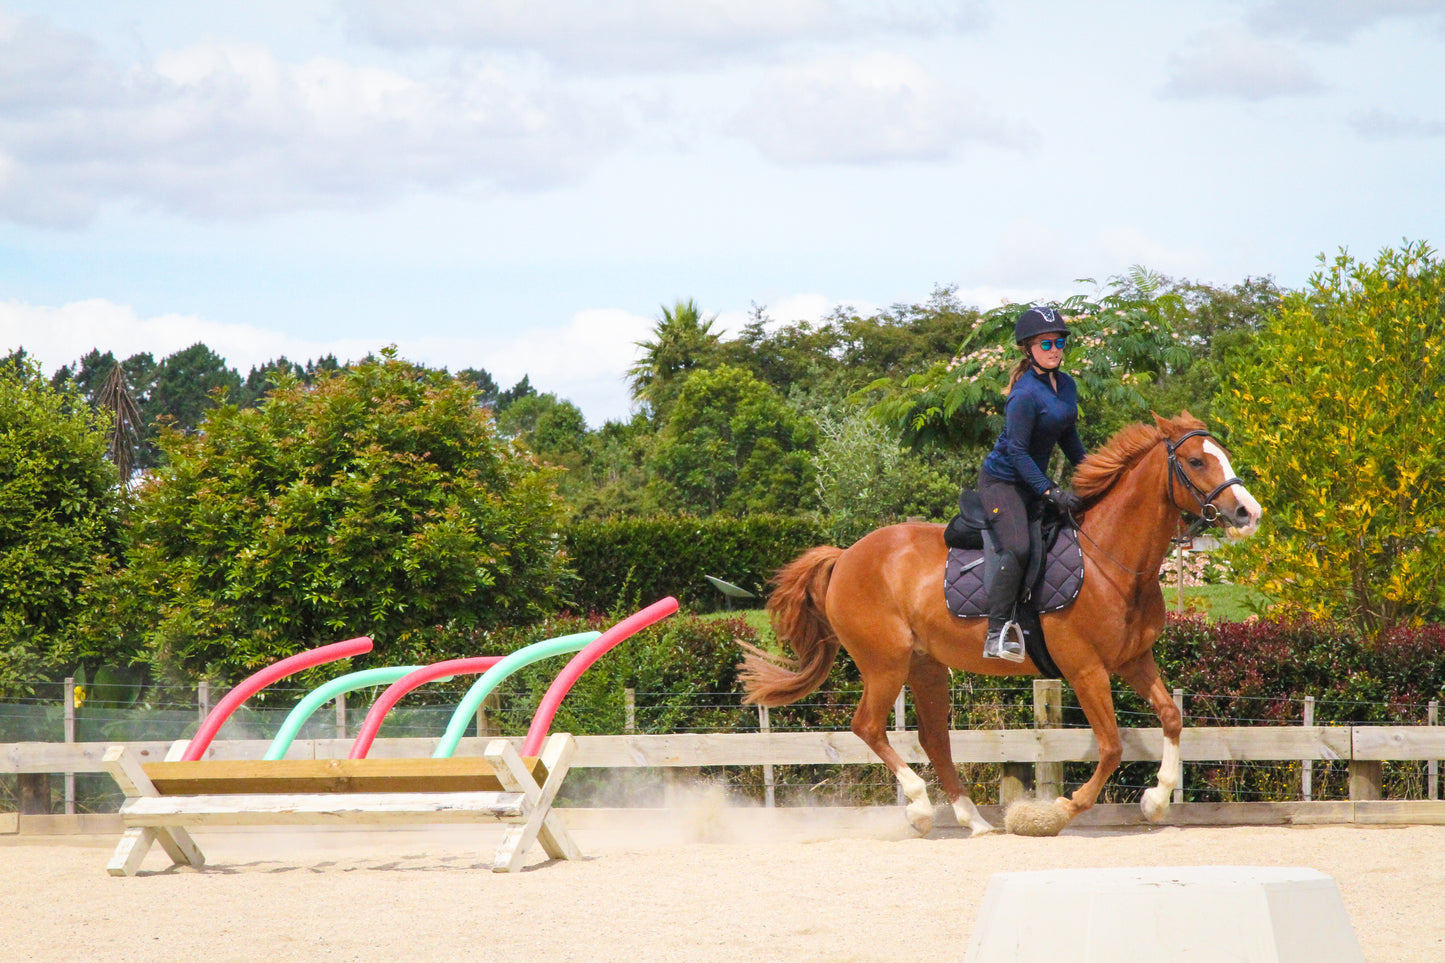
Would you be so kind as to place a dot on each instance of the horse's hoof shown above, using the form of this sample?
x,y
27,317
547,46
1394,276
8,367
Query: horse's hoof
x,y
920,817
1154,803
970,818
1031,818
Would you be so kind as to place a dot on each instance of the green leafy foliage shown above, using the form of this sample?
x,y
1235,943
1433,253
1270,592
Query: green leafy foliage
x,y
865,480
1120,343
732,444
624,562
1260,671
58,518
1336,409
379,501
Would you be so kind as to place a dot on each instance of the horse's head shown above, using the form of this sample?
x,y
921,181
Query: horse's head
x,y
1201,479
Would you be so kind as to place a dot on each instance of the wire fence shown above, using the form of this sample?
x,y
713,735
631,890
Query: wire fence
x,y
59,712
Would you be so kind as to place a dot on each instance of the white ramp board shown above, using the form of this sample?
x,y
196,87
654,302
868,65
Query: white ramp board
x,y
1183,914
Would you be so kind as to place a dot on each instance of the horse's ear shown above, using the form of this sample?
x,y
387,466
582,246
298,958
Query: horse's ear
x,y
1163,424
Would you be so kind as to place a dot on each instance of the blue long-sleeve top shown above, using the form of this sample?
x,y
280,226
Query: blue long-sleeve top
x,y
1036,418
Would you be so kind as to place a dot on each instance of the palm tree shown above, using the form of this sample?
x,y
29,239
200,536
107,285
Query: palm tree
x,y
683,340
125,427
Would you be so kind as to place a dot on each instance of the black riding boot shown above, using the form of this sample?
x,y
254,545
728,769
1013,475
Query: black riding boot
x,y
1005,639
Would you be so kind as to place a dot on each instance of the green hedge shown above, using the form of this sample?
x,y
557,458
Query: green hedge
x,y
628,562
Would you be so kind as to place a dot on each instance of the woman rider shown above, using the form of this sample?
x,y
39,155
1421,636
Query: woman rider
x,y
1041,412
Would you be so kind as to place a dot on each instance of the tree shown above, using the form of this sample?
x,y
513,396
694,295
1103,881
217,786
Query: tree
x,y
262,378
379,501
865,480
683,341
1121,342
58,517
1337,411
732,444
125,430
187,384
553,428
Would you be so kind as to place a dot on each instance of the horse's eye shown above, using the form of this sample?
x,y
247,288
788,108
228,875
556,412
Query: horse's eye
x,y
1196,462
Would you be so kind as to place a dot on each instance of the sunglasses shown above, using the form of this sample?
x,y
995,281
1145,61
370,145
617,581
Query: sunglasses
x,y
1049,344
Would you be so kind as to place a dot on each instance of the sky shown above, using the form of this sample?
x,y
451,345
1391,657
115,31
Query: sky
x,y
522,185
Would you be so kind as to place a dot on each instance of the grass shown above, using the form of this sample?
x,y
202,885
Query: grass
x,y
1218,603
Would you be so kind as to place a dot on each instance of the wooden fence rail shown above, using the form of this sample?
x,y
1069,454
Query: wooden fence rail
x,y
1363,748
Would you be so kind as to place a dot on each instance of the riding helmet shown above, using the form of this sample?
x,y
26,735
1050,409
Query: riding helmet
x,y
1036,321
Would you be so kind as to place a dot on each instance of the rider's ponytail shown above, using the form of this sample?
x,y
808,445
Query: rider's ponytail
x,y
1018,372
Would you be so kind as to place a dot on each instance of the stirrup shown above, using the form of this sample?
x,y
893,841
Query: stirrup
x,y
1006,643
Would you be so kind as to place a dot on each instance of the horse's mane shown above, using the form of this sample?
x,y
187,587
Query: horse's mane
x,y
1100,470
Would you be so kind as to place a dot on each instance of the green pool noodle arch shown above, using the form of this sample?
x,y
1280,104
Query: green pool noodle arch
x,y
483,687
323,694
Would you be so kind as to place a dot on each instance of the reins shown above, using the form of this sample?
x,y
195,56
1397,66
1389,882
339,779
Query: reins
x,y
1208,514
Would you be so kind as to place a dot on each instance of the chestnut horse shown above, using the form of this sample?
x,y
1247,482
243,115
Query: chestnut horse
x,y
882,600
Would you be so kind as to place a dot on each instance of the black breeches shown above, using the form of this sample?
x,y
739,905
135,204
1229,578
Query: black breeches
x,y
1007,506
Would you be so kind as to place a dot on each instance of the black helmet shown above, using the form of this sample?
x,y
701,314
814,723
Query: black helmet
x,y
1037,321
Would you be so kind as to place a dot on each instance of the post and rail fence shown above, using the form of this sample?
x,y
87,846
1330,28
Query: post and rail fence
x,y
1029,759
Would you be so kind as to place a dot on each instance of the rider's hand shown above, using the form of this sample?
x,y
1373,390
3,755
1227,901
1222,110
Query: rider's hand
x,y
1064,500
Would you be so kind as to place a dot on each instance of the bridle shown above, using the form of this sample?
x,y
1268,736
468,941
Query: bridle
x,y
1208,513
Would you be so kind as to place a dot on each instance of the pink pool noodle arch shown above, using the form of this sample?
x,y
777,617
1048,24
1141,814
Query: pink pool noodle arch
x,y
255,683
399,688
637,621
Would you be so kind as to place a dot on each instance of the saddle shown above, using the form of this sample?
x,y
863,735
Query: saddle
x,y
1053,580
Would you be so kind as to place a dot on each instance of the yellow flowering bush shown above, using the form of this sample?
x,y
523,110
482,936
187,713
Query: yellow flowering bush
x,y
1336,411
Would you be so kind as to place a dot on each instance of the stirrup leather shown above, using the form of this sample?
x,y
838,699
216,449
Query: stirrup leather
x,y
1006,643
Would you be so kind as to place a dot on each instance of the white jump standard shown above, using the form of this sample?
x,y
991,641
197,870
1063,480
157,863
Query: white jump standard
x,y
164,800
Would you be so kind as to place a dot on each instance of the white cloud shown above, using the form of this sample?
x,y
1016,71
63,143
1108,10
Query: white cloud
x,y
1337,20
1379,124
584,360
225,130
860,110
1232,65
649,35
60,335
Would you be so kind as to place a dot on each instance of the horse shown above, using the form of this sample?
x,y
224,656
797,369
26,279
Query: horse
x,y
882,599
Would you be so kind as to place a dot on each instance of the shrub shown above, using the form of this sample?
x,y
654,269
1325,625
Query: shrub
x,y
378,501
1335,409
58,516
628,562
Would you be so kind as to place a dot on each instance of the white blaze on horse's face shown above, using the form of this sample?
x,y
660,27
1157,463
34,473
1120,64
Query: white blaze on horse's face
x,y
1246,516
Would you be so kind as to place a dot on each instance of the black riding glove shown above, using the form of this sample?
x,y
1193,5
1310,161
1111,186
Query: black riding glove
x,y
1064,500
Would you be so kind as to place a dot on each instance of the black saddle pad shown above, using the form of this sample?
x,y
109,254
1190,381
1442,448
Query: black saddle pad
x,y
1057,587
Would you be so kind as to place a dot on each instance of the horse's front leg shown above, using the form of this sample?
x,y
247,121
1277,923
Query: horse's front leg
x,y
928,680
1143,677
870,723
1091,686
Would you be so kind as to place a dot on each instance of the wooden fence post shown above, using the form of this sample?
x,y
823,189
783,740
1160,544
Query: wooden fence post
x,y
485,724
203,698
33,790
769,793
1432,766
900,723
1048,714
341,716
1307,766
629,710
69,738
1178,795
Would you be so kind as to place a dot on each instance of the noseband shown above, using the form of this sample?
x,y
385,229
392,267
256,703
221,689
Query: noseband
x,y
1208,514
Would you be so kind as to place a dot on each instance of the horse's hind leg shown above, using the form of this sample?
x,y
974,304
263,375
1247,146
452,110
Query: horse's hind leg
x,y
928,681
1143,677
881,685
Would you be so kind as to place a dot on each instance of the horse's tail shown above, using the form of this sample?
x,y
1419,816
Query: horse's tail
x,y
796,610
